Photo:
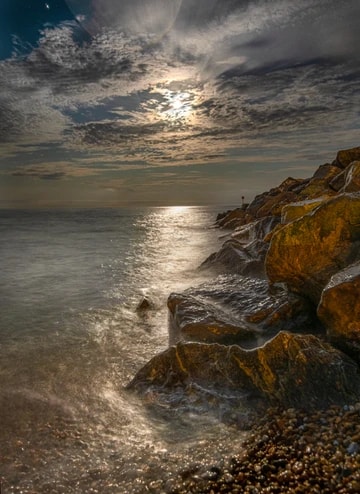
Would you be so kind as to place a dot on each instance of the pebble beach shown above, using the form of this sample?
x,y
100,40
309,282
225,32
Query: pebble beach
x,y
287,451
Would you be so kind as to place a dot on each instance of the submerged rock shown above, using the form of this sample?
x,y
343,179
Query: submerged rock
x,y
305,253
234,309
291,370
339,310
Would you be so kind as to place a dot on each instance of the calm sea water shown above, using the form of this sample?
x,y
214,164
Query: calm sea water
x,y
71,339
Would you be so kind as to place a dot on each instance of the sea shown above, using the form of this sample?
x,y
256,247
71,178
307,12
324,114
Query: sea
x,y
71,339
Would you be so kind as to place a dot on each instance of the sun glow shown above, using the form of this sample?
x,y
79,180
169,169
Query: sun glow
x,y
177,106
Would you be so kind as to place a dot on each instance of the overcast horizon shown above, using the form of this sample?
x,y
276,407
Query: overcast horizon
x,y
107,103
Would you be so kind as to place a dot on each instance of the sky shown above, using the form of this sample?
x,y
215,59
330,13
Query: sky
x,y
172,102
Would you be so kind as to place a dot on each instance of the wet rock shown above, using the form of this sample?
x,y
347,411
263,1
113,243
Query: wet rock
x,y
244,253
194,320
305,253
291,370
347,156
255,230
352,178
144,306
234,257
234,309
338,181
339,309
296,210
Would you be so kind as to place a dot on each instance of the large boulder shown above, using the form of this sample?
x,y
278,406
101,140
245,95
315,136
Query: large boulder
x,y
234,309
319,185
347,156
231,219
244,253
339,309
352,178
305,253
295,210
290,370
270,203
235,257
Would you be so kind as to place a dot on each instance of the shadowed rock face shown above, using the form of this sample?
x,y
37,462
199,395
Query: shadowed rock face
x,y
339,310
235,309
290,370
307,252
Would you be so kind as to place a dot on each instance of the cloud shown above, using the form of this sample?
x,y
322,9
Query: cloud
x,y
54,171
223,76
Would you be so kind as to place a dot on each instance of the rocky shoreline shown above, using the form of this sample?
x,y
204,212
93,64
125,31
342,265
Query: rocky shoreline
x,y
278,329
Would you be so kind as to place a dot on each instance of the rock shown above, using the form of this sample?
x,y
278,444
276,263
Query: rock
x,y
234,309
352,178
256,230
347,156
290,370
232,219
319,185
234,257
295,210
270,203
338,181
194,320
244,253
144,305
305,254
339,310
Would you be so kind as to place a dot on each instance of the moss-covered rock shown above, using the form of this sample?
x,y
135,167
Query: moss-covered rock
x,y
305,253
339,309
295,210
290,370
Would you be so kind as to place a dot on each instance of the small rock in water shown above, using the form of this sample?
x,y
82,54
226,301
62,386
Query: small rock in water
x,y
144,305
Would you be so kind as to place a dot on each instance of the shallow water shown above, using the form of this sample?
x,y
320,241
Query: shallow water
x,y
71,339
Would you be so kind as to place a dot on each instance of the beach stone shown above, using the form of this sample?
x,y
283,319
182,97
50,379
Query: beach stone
x,y
347,156
291,370
305,254
235,309
339,309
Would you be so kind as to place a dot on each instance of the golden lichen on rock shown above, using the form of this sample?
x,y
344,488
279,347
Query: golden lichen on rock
x,y
307,252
